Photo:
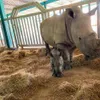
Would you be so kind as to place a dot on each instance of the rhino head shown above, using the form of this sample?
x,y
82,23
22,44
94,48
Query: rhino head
x,y
82,33
90,46
56,62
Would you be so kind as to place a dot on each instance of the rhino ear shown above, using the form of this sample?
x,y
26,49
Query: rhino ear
x,y
92,12
70,12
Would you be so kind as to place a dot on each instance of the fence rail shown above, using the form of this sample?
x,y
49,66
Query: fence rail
x,y
25,30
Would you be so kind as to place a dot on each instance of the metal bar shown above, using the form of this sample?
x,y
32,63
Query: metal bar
x,y
54,12
45,6
35,45
38,29
43,16
2,38
20,27
60,11
15,37
31,4
29,31
10,33
63,9
89,7
39,18
47,14
33,37
4,25
24,31
13,34
81,7
38,5
34,29
24,16
17,31
25,23
35,21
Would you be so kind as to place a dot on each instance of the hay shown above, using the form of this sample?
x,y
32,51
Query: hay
x,y
2,49
67,87
19,54
90,90
64,91
16,83
26,75
10,97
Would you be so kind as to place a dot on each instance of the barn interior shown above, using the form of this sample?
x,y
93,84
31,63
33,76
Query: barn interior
x,y
25,70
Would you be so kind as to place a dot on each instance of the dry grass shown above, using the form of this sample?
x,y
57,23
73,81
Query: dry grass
x,y
26,75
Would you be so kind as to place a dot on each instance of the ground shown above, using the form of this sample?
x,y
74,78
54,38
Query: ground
x,y
26,75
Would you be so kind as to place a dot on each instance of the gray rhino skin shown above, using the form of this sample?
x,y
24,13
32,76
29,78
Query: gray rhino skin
x,y
70,30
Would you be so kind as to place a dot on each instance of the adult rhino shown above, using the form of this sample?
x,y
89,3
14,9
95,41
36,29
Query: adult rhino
x,y
70,30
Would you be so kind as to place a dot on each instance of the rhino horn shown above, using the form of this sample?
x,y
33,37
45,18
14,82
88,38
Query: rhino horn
x,y
92,12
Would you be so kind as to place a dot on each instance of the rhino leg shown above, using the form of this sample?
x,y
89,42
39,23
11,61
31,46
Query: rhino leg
x,y
67,60
66,53
71,50
47,49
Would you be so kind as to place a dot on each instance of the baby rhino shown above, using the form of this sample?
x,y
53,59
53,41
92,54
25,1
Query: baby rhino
x,y
56,62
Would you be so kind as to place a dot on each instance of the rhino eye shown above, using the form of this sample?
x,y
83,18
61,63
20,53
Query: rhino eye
x,y
79,38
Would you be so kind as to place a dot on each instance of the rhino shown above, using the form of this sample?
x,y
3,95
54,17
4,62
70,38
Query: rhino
x,y
72,29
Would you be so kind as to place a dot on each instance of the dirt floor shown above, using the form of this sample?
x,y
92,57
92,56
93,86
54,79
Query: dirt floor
x,y
26,75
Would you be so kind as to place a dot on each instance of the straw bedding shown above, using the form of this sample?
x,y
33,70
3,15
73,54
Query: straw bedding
x,y
26,75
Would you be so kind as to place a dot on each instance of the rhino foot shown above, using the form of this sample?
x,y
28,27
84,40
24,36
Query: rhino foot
x,y
87,57
57,74
67,67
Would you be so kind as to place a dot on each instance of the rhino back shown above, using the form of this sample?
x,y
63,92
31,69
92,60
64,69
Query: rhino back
x,y
53,30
